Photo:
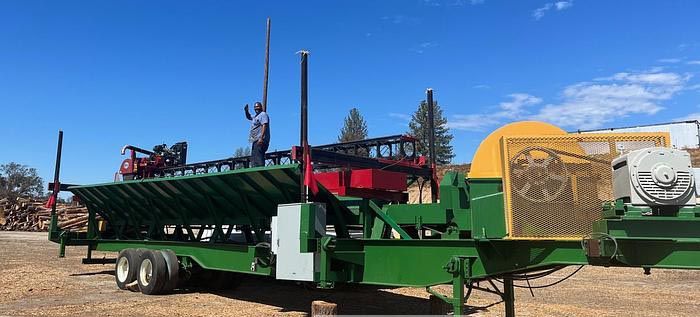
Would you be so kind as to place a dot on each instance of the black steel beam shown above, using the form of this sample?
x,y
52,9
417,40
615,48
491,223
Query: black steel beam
x,y
431,143
304,135
57,171
62,187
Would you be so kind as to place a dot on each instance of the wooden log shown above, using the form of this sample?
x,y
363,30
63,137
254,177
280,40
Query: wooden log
x,y
321,308
72,221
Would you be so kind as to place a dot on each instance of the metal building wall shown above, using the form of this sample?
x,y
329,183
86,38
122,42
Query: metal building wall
x,y
684,134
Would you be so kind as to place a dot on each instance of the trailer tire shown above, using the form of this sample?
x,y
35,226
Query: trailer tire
x,y
173,270
152,273
127,267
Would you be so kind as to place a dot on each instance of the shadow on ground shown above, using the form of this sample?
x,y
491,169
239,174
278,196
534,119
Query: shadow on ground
x,y
351,299
105,272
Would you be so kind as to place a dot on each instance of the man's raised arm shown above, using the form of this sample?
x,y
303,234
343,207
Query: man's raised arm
x,y
247,113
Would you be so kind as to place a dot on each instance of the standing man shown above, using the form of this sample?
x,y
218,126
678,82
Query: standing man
x,y
259,134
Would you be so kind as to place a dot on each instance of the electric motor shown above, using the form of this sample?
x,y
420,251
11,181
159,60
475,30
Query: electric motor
x,y
654,177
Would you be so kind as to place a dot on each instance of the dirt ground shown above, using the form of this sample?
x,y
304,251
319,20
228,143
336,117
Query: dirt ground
x,y
37,283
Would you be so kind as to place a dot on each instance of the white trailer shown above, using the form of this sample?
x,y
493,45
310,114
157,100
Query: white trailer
x,y
684,134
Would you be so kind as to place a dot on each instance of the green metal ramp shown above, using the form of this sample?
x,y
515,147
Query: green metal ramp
x,y
245,196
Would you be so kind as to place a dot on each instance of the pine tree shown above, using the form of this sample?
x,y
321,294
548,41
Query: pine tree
x,y
418,128
354,128
242,151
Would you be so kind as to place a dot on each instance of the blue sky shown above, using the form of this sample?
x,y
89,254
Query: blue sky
x,y
146,72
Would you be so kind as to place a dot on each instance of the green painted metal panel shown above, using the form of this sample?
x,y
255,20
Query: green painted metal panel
x,y
651,227
410,213
669,253
421,262
487,208
224,257
454,199
243,196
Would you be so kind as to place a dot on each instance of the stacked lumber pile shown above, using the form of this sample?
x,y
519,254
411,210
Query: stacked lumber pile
x,y
414,192
26,214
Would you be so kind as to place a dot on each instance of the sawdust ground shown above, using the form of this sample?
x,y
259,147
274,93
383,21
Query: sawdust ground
x,y
37,283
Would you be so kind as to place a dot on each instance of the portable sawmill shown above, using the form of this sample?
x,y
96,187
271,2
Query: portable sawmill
x,y
536,199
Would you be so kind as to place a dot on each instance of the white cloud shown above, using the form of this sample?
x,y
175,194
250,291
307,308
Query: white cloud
x,y
693,62
559,5
516,106
591,105
400,116
689,117
472,122
587,105
539,12
420,49
669,60
508,110
400,19
651,78
481,86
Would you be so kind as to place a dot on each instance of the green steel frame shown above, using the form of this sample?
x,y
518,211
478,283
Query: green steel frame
x,y
457,241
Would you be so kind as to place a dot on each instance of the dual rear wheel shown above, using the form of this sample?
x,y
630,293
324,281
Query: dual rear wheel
x,y
154,271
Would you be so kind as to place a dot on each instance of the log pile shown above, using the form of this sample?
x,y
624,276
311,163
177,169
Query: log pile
x,y
694,157
25,214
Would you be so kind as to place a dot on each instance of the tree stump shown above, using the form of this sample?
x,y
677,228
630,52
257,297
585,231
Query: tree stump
x,y
321,308
439,306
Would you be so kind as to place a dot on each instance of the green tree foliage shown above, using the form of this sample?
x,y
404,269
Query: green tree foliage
x,y
354,128
242,151
418,128
19,180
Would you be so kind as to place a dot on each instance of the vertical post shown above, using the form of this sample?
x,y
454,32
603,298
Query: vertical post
x,y
509,296
367,219
53,226
460,267
431,144
304,140
57,172
458,292
62,244
267,66
324,280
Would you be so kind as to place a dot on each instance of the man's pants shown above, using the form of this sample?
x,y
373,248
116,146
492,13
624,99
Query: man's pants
x,y
257,154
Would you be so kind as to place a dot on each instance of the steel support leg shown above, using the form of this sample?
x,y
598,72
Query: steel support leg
x,y
324,279
509,296
461,269
458,289
62,244
89,253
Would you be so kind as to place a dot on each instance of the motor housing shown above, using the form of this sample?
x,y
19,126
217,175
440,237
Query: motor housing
x,y
654,176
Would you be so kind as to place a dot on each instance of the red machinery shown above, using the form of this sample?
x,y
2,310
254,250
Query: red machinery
x,y
378,168
151,165
366,183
